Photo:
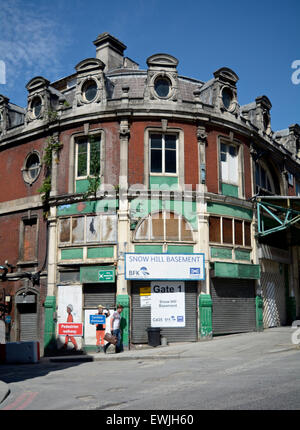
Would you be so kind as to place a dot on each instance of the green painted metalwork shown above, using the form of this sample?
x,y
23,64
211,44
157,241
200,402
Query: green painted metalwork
x,y
205,316
124,300
259,313
49,331
284,217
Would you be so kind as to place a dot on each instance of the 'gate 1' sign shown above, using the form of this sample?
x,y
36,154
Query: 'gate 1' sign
x,y
165,267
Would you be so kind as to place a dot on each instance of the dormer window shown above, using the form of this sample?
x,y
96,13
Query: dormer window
x,y
162,87
89,90
36,107
227,98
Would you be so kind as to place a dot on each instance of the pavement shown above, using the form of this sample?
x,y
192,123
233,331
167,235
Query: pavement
x,y
175,350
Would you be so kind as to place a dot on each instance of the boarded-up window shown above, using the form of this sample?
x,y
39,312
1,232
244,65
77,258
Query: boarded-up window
x,y
30,240
157,226
247,234
238,232
166,226
88,229
172,226
78,230
64,234
214,229
108,228
227,230
186,232
92,229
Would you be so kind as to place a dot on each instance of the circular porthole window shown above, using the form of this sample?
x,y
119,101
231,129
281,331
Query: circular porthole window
x,y
162,87
32,168
227,97
36,107
89,90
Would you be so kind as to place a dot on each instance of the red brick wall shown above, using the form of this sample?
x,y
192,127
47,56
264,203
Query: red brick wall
x,y
136,151
11,162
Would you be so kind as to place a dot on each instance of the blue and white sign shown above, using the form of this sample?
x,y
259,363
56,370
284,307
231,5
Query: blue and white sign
x,y
184,267
97,319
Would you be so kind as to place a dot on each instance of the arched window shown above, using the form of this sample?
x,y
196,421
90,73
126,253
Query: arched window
x,y
164,226
266,183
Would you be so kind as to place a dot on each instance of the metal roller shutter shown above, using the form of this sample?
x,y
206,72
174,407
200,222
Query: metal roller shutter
x,y
273,292
28,327
95,294
141,316
234,309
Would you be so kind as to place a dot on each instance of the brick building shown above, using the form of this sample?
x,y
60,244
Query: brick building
x,y
115,166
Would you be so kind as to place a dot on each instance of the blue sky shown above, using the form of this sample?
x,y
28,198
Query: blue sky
x,y
258,39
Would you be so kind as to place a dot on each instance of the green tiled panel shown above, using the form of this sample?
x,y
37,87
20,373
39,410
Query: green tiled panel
x,y
221,253
242,255
177,249
230,190
82,185
72,254
157,181
235,270
148,249
101,252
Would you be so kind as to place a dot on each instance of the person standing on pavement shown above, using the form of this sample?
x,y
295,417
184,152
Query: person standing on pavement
x,y
100,328
115,328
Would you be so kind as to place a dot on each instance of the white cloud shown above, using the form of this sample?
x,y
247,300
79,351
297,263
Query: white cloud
x,y
30,41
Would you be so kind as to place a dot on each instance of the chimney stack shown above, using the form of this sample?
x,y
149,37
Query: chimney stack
x,y
110,51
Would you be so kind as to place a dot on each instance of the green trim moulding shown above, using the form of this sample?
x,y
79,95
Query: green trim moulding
x,y
93,206
236,270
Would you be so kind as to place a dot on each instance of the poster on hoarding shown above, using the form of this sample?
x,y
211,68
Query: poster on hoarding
x,y
167,304
69,319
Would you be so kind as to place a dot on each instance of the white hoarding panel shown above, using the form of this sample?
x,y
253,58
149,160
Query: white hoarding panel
x,y
167,304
